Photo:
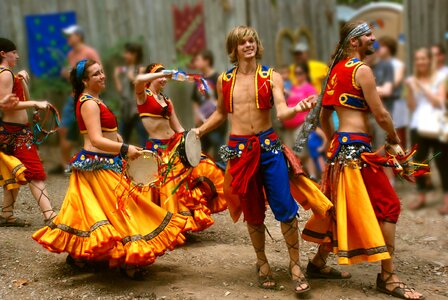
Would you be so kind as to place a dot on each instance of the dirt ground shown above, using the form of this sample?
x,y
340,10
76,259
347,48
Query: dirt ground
x,y
219,263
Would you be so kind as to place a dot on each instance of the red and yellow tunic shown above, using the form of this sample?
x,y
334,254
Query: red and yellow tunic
x,y
107,117
263,87
341,89
152,108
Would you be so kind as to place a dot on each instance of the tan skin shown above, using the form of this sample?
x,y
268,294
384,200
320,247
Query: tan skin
x,y
357,121
15,112
420,83
157,128
246,119
8,102
95,140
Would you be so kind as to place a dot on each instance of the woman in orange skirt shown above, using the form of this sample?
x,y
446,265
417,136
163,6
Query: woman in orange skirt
x,y
92,225
193,192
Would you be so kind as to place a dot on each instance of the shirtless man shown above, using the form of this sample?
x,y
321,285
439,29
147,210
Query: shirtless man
x,y
254,152
20,149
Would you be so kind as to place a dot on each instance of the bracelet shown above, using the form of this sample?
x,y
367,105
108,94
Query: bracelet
x,y
124,150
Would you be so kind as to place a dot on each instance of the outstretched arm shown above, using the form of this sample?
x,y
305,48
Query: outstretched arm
x,y
218,117
283,111
142,79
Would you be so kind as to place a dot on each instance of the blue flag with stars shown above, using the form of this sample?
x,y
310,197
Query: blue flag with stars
x,y
47,46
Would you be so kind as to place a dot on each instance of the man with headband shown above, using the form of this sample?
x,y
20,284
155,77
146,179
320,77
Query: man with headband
x,y
19,160
257,171
366,206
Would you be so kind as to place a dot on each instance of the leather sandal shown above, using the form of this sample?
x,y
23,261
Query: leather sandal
x,y
398,292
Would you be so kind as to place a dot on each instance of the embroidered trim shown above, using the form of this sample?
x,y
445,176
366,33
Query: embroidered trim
x,y
357,252
84,162
78,232
150,235
350,156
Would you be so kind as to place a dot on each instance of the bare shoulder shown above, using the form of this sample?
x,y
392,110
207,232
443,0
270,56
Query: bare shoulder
x,y
363,73
6,77
277,79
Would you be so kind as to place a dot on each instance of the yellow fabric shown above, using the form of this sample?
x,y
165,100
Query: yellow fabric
x,y
90,226
177,194
216,201
307,193
12,172
318,71
353,231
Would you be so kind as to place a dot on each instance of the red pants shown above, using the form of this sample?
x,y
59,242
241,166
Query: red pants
x,y
25,150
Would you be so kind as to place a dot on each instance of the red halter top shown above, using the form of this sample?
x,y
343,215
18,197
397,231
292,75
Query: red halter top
x,y
152,108
107,117
17,87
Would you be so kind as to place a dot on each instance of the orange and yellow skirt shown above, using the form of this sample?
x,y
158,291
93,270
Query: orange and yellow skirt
x,y
362,197
90,225
192,192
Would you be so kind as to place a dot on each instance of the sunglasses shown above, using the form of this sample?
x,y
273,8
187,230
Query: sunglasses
x,y
299,72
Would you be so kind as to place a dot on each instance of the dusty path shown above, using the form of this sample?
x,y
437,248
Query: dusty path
x,y
218,263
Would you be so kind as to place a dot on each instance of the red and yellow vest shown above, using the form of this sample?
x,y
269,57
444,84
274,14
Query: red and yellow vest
x,y
17,87
341,89
263,87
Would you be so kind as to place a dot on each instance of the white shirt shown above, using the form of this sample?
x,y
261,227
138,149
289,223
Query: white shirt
x,y
423,105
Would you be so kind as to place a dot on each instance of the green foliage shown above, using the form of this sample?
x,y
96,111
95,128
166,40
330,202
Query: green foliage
x,y
55,90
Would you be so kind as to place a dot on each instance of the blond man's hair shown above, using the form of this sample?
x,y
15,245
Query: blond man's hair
x,y
236,36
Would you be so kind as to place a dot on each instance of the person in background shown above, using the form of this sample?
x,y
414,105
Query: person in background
x,y
384,78
439,54
425,90
299,91
205,104
68,131
400,112
287,83
124,77
318,70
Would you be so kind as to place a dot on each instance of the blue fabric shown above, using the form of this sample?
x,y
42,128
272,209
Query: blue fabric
x,y
47,46
68,113
274,174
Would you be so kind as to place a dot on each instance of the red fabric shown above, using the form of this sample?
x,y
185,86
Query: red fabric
x,y
263,92
107,117
29,157
382,195
341,83
17,85
171,143
243,168
151,106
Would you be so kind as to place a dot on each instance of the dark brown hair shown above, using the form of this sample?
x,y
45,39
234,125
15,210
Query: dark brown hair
x,y
76,81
